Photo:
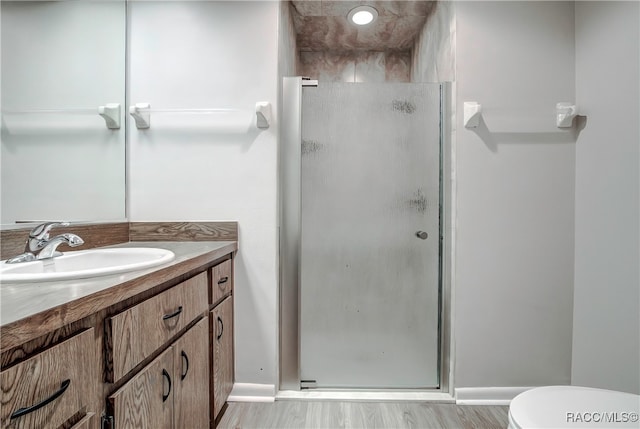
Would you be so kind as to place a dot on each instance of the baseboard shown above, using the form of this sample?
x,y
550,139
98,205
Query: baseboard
x,y
487,395
250,392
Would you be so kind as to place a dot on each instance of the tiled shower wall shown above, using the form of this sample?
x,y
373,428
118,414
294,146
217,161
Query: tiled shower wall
x,y
288,57
433,56
356,66
430,59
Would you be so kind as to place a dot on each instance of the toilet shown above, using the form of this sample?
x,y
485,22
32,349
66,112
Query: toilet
x,y
556,407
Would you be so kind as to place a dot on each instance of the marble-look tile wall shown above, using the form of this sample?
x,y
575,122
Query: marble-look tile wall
x,y
288,50
356,66
433,58
323,25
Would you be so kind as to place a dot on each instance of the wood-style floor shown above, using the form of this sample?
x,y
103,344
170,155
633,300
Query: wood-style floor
x,y
391,415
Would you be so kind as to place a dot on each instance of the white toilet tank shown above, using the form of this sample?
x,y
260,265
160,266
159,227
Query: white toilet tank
x,y
556,407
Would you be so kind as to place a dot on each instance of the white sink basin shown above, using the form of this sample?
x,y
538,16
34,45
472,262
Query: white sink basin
x,y
85,264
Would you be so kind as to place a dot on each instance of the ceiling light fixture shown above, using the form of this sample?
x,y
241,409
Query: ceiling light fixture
x,y
362,15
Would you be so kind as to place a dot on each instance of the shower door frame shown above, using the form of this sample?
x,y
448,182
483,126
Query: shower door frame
x,y
289,234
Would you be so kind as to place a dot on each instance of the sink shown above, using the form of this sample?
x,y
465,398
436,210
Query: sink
x,y
85,264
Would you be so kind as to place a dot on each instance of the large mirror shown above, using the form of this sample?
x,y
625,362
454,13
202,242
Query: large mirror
x,y
63,62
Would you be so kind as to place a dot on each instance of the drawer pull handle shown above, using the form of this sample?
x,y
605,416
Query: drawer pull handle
x,y
223,281
165,374
22,411
221,325
186,360
174,314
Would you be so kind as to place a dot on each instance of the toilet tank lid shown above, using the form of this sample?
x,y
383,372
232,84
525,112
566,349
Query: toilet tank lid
x,y
568,406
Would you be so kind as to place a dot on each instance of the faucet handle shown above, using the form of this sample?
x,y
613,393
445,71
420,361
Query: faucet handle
x,y
41,232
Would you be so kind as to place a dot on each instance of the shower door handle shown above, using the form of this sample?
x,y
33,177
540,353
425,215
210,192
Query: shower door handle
x,y
422,235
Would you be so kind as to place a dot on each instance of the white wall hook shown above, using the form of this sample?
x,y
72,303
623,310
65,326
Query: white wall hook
x,y
263,114
111,115
472,114
141,114
565,112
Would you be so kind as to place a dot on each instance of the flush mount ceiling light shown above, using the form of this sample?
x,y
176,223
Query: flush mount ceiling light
x,y
362,15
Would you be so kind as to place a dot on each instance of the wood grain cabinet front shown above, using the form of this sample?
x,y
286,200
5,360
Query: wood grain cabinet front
x,y
170,392
87,422
146,400
221,318
221,281
191,368
134,334
52,387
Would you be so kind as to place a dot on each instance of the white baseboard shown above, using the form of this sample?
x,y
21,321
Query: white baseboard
x,y
250,392
487,395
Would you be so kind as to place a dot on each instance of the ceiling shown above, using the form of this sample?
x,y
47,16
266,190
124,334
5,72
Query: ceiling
x,y
321,25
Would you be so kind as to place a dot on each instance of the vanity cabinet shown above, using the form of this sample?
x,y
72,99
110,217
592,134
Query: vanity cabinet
x,y
221,328
170,392
154,352
53,386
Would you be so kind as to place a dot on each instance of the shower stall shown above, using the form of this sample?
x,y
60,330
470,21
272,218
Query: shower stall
x,y
362,235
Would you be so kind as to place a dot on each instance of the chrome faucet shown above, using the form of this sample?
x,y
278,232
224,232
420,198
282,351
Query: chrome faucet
x,y
40,246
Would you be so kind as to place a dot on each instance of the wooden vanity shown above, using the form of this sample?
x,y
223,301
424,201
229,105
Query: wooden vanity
x,y
145,349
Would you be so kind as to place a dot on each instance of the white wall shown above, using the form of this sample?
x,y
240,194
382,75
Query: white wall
x,y
516,189
212,167
606,322
515,201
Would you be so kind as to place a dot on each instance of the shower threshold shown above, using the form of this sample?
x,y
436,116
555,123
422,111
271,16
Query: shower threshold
x,y
427,395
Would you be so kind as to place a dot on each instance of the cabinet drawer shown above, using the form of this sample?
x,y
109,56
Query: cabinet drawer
x,y
55,384
136,333
221,281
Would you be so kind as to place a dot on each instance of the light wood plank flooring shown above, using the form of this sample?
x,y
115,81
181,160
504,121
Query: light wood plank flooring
x,y
387,415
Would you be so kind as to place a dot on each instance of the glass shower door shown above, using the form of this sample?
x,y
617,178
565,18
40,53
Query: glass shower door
x,y
370,241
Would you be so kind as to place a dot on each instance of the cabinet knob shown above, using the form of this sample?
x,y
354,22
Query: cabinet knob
x,y
422,235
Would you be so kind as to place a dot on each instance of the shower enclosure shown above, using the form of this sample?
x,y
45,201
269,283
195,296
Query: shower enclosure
x,y
361,235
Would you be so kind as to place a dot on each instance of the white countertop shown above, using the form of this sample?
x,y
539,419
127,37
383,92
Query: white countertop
x,y
22,300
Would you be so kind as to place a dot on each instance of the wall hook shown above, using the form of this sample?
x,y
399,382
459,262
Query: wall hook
x,y
111,115
565,112
263,114
140,112
472,114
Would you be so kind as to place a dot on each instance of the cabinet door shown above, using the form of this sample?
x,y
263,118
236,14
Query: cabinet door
x,y
191,381
146,401
222,331
50,387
